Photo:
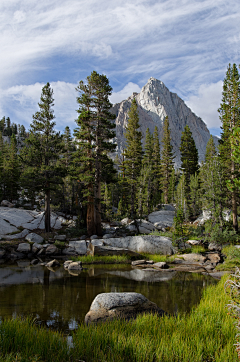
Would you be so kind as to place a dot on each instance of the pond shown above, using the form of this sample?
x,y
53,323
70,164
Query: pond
x,y
60,300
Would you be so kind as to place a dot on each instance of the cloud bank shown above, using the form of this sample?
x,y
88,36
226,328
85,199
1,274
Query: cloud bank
x,y
185,43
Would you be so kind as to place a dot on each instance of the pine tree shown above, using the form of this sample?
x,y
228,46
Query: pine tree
x,y
107,201
156,168
68,185
195,202
189,156
133,154
181,197
210,149
148,149
11,170
230,117
2,124
42,151
147,176
2,156
167,158
213,188
172,185
189,159
235,146
94,134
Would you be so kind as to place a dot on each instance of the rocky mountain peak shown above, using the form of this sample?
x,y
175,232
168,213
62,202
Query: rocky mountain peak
x,y
155,102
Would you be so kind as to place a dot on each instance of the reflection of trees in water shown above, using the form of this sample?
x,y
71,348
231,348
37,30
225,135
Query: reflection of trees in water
x,y
63,300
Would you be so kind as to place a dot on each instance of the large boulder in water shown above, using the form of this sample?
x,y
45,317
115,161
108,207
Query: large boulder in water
x,y
108,306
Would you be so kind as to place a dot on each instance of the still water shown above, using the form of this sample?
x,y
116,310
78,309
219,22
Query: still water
x,y
60,300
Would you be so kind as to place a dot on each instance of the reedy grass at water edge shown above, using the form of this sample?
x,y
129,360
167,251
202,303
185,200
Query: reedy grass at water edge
x,y
89,259
206,334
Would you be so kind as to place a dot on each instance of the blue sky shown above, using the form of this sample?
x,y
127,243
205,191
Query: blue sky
x,y
185,43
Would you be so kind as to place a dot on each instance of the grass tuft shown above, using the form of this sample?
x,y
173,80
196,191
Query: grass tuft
x,y
109,259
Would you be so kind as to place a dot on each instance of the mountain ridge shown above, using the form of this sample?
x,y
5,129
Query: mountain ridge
x,y
155,102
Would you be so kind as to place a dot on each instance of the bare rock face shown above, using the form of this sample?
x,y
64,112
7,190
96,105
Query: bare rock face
x,y
155,102
107,306
151,244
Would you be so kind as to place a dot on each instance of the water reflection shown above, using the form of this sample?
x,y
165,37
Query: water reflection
x,y
60,300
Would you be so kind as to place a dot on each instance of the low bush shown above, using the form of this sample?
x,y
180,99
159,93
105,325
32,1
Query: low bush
x,y
232,258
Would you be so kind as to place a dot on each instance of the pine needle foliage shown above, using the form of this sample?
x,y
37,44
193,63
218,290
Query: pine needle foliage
x,y
133,154
94,134
167,158
41,154
230,117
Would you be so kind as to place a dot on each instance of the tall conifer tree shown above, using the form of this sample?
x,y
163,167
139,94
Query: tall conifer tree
x,y
41,154
167,158
210,149
230,117
156,168
133,153
94,134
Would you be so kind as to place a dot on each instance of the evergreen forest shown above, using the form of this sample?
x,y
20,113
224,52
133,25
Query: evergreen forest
x,y
76,173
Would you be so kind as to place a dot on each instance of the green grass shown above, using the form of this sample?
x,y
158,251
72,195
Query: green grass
x,y
159,258
31,343
197,249
206,334
232,258
89,259
162,233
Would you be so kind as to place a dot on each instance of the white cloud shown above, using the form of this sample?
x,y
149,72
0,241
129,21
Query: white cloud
x,y
185,43
206,103
126,92
19,16
173,32
21,102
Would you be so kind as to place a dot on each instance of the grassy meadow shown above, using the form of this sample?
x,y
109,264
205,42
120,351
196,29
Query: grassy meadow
x,y
207,333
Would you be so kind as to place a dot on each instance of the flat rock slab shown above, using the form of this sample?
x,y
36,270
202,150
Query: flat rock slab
x,y
13,218
193,257
143,244
108,306
79,246
144,226
6,227
162,218
110,250
34,238
24,248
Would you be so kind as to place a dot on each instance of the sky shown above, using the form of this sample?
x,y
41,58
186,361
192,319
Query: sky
x,y
187,44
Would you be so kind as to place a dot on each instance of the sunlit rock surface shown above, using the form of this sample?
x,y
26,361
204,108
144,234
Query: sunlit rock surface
x,y
155,102
11,219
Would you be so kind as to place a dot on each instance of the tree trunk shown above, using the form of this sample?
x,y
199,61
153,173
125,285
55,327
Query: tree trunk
x,y
234,200
132,201
91,227
47,212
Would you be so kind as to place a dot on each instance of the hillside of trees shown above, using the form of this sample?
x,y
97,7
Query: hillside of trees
x,y
73,173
